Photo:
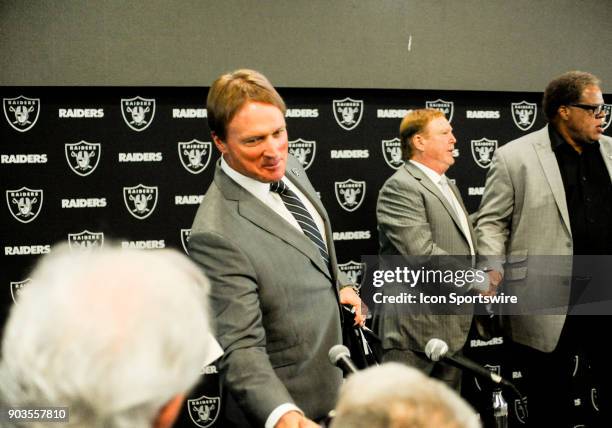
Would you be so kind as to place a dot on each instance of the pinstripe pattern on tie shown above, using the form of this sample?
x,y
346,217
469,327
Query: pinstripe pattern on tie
x,y
302,216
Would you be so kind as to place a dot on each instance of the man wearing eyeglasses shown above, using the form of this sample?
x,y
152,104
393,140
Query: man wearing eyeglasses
x,y
549,193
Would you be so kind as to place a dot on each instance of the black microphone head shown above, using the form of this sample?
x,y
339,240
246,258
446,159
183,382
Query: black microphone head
x,y
336,352
436,349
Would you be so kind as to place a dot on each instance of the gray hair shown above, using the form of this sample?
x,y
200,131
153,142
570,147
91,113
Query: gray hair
x,y
395,395
112,334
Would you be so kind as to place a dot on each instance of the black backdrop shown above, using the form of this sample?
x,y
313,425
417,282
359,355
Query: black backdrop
x,y
91,165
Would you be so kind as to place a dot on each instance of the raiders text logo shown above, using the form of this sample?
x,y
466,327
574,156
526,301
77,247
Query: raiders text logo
x,y
204,410
354,271
140,200
482,151
446,107
392,152
21,112
185,234
138,112
524,114
350,193
195,155
17,287
82,157
24,204
304,151
85,241
348,112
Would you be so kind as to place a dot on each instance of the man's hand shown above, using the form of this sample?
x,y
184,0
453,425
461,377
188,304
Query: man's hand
x,y
495,279
295,419
349,297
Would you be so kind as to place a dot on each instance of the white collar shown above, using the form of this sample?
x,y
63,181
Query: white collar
x,y
257,188
433,175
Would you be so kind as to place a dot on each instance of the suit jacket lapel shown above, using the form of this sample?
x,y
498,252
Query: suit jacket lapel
x,y
467,217
298,178
431,186
605,147
550,166
264,217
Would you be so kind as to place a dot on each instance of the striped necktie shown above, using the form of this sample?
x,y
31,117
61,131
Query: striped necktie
x,y
302,216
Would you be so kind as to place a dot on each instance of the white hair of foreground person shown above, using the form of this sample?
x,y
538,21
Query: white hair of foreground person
x,y
113,334
393,395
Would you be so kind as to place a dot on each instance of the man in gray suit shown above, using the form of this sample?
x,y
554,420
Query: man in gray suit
x,y
421,213
269,254
550,193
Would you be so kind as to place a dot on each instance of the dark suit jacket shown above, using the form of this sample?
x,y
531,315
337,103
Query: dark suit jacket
x,y
415,219
274,301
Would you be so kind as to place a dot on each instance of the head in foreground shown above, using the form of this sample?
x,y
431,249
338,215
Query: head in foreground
x,y
118,336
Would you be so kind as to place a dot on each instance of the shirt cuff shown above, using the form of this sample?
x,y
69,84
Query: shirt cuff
x,y
279,412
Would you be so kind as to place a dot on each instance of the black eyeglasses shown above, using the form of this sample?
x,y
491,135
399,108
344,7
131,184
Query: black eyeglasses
x,y
595,109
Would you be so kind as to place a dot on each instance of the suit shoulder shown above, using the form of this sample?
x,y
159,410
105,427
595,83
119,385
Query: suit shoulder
x,y
520,146
214,213
401,177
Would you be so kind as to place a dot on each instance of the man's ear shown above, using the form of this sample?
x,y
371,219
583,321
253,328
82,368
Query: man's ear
x,y
563,112
169,412
418,142
220,144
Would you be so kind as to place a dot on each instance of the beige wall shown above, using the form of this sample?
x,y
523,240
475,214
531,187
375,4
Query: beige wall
x,y
454,44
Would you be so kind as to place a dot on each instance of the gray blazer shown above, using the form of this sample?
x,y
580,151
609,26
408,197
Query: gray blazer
x,y
524,213
415,219
274,301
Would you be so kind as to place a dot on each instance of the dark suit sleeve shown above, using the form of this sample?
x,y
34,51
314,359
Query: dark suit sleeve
x,y
245,365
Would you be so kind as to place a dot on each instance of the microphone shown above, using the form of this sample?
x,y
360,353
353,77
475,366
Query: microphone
x,y
340,356
436,349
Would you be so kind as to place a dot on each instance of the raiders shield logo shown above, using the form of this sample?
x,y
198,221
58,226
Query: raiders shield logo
x,y
21,112
24,204
82,157
348,112
350,193
304,151
608,109
85,241
446,107
482,151
195,155
524,114
138,112
140,200
185,234
520,410
492,369
392,152
204,410
17,287
354,271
